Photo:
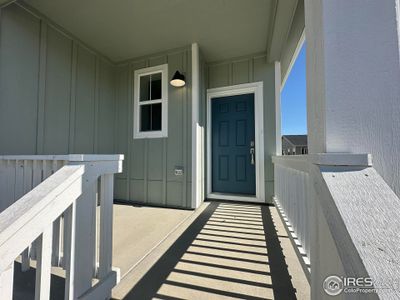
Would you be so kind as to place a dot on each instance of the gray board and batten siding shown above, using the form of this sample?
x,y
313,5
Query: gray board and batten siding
x,y
254,68
59,96
56,95
149,166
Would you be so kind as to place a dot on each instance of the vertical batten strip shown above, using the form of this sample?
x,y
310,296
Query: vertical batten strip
x,y
146,149
41,88
145,173
43,269
96,105
71,143
130,119
184,134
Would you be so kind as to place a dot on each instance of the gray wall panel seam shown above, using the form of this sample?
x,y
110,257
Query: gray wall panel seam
x,y
130,129
115,91
184,133
41,87
96,105
252,69
74,62
230,75
146,157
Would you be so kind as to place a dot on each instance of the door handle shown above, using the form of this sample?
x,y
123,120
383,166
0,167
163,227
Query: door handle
x,y
252,151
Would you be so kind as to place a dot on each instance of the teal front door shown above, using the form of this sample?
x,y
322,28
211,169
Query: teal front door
x,y
233,144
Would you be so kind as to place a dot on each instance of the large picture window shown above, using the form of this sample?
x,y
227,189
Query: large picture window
x,y
151,102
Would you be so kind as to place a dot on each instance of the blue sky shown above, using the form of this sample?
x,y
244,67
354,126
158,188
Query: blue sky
x,y
293,98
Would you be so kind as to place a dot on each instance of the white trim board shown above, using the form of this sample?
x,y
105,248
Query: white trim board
x,y
294,58
255,88
196,129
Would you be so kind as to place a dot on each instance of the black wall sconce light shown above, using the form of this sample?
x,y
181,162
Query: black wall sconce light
x,y
178,80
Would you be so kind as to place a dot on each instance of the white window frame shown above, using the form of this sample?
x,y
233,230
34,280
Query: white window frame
x,y
137,134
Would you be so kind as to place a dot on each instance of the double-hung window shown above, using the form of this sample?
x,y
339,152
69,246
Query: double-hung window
x,y
151,102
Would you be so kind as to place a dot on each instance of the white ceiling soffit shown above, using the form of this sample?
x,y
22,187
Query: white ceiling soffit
x,y
126,29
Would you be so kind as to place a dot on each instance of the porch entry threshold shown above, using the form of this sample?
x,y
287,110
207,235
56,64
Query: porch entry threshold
x,y
234,197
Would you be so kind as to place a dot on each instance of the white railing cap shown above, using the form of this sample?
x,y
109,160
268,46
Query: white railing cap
x,y
341,159
67,157
19,213
95,157
300,162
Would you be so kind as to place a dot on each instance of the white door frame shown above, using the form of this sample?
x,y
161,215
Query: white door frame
x,y
255,88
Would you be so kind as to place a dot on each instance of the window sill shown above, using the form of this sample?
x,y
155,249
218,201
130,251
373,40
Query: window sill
x,y
150,135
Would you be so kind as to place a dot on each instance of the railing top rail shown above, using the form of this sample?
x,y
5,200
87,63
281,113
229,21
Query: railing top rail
x,y
21,213
67,157
301,162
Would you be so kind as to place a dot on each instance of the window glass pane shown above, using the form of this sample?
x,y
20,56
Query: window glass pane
x,y
145,117
156,116
150,117
155,86
144,87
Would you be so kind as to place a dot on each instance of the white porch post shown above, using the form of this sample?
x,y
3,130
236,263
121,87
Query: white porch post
x,y
353,80
278,131
196,130
353,97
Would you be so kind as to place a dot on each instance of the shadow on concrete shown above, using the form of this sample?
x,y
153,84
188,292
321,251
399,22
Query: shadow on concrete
x,y
225,258
281,280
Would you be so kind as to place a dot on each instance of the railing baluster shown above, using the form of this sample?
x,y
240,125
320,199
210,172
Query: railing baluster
x,y
21,174
69,251
56,242
6,283
25,261
19,180
43,267
36,180
106,222
86,235
28,169
56,227
78,247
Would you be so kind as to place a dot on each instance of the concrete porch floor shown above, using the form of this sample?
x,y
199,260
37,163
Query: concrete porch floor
x,y
221,251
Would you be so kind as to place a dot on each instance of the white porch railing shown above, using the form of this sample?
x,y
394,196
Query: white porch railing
x,y
49,215
293,202
343,218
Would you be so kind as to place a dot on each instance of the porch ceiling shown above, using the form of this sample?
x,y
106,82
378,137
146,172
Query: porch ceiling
x,y
131,28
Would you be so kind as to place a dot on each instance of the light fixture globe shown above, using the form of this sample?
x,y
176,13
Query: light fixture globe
x,y
178,80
